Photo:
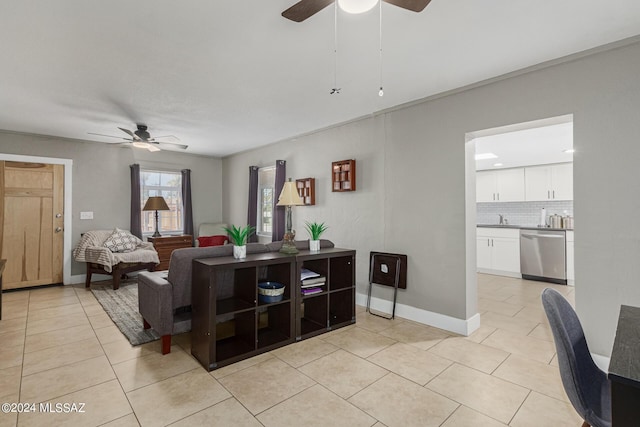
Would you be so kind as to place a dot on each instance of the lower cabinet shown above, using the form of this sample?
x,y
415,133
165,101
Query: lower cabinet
x,y
498,251
230,323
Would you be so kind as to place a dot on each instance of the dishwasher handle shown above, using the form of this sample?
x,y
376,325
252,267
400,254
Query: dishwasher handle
x,y
545,236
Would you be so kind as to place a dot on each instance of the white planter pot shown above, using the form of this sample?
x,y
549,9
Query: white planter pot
x,y
314,245
239,252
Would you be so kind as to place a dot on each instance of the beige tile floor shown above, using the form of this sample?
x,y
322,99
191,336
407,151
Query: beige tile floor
x,y
58,345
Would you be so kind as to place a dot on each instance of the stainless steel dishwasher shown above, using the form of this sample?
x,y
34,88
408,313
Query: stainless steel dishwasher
x,y
543,255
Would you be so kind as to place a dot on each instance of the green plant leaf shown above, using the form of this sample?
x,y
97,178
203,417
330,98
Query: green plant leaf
x,y
239,235
315,229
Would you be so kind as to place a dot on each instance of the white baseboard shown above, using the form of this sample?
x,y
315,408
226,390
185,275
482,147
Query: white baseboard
x,y
80,278
601,361
437,320
499,273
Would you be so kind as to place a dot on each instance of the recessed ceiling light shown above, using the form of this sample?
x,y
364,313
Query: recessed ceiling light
x,y
485,156
497,164
569,150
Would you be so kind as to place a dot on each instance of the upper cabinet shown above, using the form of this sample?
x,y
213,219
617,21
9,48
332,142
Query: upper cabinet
x,y
505,185
551,182
532,183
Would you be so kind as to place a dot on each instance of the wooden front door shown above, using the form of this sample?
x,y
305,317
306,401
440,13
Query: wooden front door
x,y
31,223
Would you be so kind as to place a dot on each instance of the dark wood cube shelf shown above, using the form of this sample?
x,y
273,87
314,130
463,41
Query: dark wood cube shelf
x,y
228,321
307,190
343,175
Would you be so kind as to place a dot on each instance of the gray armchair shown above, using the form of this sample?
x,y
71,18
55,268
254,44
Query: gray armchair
x,y
586,385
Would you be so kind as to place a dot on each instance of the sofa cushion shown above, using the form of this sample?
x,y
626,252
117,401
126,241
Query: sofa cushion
x,y
121,241
217,240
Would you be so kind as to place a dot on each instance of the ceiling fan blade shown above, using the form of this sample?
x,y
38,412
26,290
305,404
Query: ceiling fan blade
x,y
305,9
170,145
166,138
153,148
108,136
413,5
127,131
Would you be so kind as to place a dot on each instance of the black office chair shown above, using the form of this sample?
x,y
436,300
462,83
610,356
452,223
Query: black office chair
x,y
586,385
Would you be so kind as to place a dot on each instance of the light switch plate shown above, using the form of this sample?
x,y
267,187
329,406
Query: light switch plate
x,y
86,215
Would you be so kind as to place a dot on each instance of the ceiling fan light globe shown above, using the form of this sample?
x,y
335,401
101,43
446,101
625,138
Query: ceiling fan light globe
x,y
140,144
357,6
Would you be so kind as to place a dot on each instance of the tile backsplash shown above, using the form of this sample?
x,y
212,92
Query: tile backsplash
x,y
521,213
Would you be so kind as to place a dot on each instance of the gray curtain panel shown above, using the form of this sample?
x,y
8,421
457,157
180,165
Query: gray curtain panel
x,y
252,214
136,208
278,229
186,203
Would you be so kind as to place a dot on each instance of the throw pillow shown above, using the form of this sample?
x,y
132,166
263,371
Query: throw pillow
x,y
217,240
121,241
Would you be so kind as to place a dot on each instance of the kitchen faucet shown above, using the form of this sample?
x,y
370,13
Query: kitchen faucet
x,y
502,221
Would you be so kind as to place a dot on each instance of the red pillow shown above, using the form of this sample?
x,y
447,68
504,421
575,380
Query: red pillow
x,y
218,240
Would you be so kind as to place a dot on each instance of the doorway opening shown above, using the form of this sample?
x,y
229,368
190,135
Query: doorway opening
x,y
518,176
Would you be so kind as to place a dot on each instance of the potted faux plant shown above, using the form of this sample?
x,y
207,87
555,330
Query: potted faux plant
x,y
315,231
239,236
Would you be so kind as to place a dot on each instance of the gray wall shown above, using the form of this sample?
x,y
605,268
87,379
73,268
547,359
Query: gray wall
x,y
414,183
101,179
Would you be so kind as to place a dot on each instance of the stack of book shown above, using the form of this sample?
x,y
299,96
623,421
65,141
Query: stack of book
x,y
311,282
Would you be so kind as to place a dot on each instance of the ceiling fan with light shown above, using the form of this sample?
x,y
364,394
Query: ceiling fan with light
x,y
140,138
306,8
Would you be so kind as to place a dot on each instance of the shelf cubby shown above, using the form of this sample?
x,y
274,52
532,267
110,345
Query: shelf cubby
x,y
341,273
341,307
274,324
313,314
234,292
237,335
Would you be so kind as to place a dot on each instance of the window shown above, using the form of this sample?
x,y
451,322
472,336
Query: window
x,y
169,186
266,190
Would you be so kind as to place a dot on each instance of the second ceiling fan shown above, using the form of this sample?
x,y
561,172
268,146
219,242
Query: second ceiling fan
x,y
307,8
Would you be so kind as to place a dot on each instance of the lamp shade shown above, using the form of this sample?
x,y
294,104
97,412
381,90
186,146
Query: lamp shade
x,y
156,203
289,195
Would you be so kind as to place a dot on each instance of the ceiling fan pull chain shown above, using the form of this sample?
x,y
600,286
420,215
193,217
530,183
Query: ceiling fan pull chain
x,y
335,89
380,92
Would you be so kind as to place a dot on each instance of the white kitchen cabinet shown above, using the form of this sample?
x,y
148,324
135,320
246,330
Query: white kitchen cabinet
x,y
504,185
571,276
550,182
498,251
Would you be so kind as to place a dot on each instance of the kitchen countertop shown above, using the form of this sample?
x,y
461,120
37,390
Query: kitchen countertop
x,y
523,227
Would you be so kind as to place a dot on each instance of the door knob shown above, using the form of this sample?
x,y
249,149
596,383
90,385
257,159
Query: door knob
x,y
58,229
58,215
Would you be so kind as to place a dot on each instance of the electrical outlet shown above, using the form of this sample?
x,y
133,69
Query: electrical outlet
x,y
86,215
384,268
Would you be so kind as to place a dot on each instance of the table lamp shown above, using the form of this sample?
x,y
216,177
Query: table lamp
x,y
289,197
156,203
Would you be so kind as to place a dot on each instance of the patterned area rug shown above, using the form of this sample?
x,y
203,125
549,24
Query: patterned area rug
x,y
122,307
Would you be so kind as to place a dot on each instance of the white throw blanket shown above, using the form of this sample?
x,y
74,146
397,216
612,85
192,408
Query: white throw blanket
x,y
90,249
